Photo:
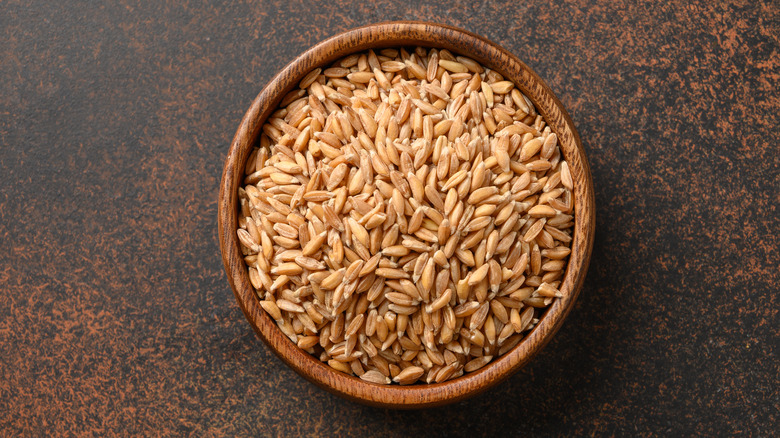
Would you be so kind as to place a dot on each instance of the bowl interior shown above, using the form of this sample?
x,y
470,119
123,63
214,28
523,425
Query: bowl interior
x,y
398,34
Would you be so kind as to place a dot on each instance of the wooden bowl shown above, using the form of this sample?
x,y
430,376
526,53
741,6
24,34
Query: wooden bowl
x,y
397,34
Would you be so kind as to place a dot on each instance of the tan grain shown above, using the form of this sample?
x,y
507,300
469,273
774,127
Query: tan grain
x,y
405,214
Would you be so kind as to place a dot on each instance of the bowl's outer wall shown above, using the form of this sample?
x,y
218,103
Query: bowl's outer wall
x,y
397,34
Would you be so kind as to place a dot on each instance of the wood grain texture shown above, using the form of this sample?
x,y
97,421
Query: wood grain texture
x,y
396,34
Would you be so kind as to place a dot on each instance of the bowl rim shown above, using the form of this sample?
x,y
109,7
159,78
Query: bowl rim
x,y
398,34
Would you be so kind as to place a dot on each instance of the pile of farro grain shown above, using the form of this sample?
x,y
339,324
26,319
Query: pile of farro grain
x,y
406,215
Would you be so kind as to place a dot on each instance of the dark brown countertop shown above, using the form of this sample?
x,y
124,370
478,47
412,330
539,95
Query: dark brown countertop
x,y
116,315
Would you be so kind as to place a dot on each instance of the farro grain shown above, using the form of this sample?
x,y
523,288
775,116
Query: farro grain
x,y
405,214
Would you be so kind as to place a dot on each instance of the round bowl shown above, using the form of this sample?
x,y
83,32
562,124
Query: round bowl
x,y
396,34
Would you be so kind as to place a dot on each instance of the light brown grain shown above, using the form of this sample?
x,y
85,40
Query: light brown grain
x,y
406,217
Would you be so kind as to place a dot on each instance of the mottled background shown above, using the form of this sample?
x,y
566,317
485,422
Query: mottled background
x,y
115,313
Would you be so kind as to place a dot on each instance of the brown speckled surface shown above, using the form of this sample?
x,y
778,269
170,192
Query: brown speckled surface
x,y
115,313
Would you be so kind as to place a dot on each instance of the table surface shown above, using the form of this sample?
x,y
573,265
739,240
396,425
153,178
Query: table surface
x,y
116,315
